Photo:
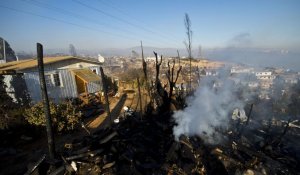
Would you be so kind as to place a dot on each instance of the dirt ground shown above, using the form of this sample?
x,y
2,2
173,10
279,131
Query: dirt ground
x,y
131,100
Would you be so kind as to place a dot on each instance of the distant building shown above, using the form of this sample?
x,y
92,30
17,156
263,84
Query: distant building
x,y
211,72
265,78
265,75
151,59
66,77
101,59
253,84
290,78
241,69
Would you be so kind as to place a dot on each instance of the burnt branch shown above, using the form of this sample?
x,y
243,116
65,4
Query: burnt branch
x,y
144,63
178,72
172,82
157,66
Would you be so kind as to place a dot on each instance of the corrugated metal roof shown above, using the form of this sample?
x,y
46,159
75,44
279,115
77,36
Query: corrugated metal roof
x,y
31,63
86,75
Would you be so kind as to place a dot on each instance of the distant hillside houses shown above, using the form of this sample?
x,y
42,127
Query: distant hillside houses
x,y
265,79
66,77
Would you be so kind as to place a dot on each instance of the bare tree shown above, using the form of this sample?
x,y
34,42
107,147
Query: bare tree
x,y
72,50
172,80
188,44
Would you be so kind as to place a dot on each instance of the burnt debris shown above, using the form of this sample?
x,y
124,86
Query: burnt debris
x,y
147,146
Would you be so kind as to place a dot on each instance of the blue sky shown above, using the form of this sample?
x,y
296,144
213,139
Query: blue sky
x,y
98,24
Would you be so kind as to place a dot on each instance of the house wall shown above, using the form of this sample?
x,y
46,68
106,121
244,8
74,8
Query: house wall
x,y
93,87
67,89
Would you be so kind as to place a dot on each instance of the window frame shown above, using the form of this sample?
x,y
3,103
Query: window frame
x,y
50,79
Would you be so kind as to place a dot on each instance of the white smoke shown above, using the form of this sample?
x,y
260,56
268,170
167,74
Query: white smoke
x,y
209,109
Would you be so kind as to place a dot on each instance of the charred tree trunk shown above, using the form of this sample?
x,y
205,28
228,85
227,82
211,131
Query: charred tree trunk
x,y
157,68
149,106
162,96
140,97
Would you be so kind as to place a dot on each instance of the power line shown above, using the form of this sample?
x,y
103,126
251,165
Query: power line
x,y
116,18
62,21
125,13
63,11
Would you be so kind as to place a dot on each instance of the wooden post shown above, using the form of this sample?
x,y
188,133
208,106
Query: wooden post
x,y
43,86
86,92
104,85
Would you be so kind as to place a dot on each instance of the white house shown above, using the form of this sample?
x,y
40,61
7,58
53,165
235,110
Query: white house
x,y
265,75
241,69
290,78
265,78
101,59
66,77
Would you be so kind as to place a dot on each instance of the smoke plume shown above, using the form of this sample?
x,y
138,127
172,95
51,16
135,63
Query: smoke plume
x,y
209,109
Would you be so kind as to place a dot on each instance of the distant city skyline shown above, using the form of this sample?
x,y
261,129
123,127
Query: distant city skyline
x,y
100,24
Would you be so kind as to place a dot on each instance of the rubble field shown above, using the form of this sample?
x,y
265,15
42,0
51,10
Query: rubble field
x,y
135,146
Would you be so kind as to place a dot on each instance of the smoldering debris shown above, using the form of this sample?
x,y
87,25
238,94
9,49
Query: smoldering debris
x,y
147,146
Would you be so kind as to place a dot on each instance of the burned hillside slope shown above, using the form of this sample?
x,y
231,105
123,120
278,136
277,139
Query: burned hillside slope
x,y
148,146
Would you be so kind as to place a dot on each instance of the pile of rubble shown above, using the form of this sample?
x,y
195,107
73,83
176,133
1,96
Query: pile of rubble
x,y
135,146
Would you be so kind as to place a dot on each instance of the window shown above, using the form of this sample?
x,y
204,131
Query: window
x,y
48,80
94,70
53,80
56,79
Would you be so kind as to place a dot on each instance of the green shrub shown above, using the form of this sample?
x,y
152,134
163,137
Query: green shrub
x,y
65,116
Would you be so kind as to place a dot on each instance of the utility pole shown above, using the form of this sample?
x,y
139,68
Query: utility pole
x,y
43,86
